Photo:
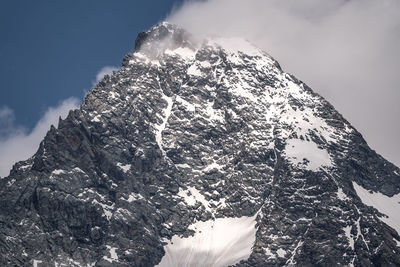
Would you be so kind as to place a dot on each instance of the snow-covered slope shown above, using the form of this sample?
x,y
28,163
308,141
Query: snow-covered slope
x,y
389,206
200,152
218,242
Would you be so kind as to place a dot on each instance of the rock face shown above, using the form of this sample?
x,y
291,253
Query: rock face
x,y
188,132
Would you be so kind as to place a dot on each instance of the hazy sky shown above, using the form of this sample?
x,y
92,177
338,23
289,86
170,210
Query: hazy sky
x,y
52,52
346,50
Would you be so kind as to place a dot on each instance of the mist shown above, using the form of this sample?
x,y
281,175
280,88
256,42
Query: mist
x,y
346,50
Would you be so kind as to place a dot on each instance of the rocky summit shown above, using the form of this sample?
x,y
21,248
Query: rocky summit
x,y
201,152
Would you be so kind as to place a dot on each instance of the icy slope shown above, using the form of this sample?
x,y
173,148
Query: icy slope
x,y
389,206
217,243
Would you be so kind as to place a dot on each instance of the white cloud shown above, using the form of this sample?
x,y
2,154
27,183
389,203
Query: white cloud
x,y
106,70
17,144
7,126
346,50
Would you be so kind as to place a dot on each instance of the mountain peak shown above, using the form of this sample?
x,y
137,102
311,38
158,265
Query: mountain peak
x,y
165,35
206,149
162,36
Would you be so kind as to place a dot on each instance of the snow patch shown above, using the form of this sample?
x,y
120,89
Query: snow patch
x,y
125,168
77,169
269,253
304,121
160,128
191,195
57,172
183,52
36,262
204,64
219,242
306,154
28,166
183,166
107,209
190,107
341,195
281,253
359,233
213,114
113,255
133,197
291,261
194,71
347,231
114,95
213,166
390,206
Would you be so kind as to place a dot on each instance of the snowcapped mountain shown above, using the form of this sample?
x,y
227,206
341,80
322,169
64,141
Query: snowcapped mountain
x,y
201,153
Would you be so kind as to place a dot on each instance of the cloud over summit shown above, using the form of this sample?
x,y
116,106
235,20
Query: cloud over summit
x,y
346,50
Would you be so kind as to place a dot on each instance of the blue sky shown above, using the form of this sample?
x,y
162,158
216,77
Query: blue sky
x,y
51,50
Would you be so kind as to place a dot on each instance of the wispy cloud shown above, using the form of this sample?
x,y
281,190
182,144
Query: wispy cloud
x,y
7,123
17,143
106,70
347,50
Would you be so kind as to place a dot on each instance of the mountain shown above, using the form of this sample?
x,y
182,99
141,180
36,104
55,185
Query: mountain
x,y
201,152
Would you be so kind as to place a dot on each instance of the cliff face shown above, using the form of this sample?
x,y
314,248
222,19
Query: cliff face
x,y
208,144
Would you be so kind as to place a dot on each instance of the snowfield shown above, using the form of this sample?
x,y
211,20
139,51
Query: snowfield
x,y
306,154
390,206
219,242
